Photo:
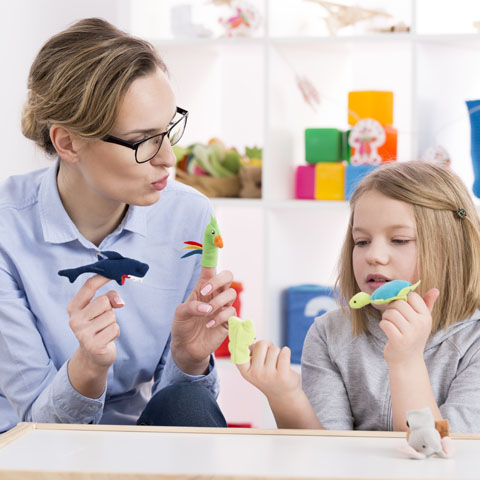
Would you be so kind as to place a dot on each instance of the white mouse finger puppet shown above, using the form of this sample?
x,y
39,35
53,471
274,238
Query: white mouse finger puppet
x,y
427,437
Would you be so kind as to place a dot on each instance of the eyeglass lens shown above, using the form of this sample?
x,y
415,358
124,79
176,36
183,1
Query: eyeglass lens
x,y
147,150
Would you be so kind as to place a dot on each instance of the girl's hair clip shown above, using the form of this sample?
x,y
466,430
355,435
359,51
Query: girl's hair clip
x,y
461,212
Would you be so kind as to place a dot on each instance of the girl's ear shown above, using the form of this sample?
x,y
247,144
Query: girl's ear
x,y
65,143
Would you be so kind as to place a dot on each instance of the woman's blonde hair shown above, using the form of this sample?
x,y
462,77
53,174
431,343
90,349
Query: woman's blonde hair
x,y
448,243
79,78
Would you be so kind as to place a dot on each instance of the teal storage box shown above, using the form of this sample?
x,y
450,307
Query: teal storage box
x,y
323,145
354,175
304,303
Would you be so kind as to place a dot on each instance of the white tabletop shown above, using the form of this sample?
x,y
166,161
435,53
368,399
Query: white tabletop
x,y
32,450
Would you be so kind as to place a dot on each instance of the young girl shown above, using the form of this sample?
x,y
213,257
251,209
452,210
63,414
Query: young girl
x,y
101,104
364,369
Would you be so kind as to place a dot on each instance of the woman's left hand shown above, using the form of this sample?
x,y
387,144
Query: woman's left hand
x,y
407,326
201,323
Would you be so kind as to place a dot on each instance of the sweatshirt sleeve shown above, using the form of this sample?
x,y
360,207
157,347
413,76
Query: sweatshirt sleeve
x,y
323,383
29,380
462,406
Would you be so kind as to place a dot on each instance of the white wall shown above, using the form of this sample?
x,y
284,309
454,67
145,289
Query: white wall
x,y
26,25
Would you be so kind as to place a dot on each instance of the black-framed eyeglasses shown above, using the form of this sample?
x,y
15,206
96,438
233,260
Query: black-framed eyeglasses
x,y
147,148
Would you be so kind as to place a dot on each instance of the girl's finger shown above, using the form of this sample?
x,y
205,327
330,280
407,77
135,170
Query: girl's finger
x,y
397,319
283,363
259,353
243,368
272,357
390,330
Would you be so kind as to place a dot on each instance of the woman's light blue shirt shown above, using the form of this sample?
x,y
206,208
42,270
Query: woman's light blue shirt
x,y
37,239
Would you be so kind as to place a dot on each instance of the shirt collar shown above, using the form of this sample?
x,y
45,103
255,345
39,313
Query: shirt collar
x,y
58,227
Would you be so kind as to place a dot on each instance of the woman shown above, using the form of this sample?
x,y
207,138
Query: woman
x,y
100,101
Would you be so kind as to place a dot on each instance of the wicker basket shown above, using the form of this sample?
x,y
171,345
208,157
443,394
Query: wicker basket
x,y
211,186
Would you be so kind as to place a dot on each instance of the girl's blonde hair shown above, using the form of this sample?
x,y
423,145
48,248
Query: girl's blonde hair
x,y
79,78
448,243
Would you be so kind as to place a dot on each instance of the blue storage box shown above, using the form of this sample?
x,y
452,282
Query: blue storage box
x,y
354,175
304,303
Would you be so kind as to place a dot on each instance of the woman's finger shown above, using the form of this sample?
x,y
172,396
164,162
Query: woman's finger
x,y
86,293
227,297
96,307
220,281
116,301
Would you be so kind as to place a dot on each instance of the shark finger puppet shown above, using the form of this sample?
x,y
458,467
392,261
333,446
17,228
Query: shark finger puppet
x,y
394,290
110,265
427,437
212,241
241,334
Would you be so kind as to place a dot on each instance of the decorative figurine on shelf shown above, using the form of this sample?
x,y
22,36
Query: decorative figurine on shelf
x,y
110,265
366,136
243,21
437,154
212,241
309,91
241,334
394,290
427,437
340,16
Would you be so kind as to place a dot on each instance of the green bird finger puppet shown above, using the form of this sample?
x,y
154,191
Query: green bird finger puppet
x,y
212,241
394,290
241,334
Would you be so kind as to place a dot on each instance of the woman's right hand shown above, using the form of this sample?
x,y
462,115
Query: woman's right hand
x,y
94,324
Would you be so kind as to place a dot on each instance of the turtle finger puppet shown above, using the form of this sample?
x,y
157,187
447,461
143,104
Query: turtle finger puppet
x,y
425,437
394,290
241,334
110,265
212,241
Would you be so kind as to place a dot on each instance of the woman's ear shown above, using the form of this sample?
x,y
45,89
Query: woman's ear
x,y
65,142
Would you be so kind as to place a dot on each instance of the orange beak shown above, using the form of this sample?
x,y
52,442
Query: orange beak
x,y
218,241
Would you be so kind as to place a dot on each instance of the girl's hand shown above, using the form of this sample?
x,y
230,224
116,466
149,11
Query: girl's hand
x,y
94,324
201,323
269,370
407,326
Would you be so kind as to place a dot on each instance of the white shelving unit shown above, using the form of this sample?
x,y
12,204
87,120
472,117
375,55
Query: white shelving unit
x,y
244,91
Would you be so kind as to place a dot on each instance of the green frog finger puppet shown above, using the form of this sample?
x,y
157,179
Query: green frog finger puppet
x,y
212,241
241,334
394,290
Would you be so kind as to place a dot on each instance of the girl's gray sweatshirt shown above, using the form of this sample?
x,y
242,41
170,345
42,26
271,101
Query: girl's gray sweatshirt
x,y
347,382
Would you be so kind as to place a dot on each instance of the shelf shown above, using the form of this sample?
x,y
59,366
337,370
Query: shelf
x,y
244,91
368,38
208,42
278,204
